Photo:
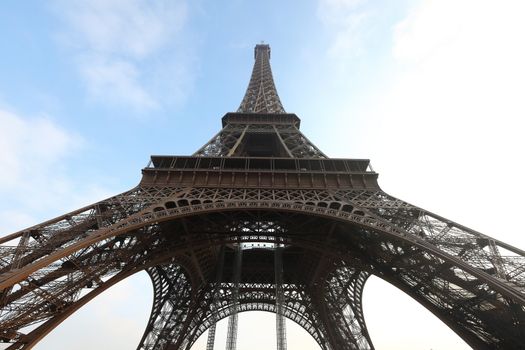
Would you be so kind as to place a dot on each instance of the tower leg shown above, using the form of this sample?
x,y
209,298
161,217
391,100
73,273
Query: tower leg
x,y
344,300
231,340
339,307
171,306
218,280
279,300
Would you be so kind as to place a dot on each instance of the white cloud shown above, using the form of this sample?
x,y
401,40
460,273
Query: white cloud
x,y
116,80
134,28
347,20
336,10
34,177
453,110
27,145
116,42
428,28
462,74
13,220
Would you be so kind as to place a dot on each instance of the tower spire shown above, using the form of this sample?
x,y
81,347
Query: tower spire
x,y
261,94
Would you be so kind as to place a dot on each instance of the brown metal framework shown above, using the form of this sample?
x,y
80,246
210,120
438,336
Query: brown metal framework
x,y
310,230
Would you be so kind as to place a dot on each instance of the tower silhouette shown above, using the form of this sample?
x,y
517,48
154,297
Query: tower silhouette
x,y
260,219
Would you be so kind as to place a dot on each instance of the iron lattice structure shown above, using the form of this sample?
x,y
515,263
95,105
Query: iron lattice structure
x,y
260,219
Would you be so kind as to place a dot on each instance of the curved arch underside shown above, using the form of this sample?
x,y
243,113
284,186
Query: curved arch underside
x,y
342,302
332,241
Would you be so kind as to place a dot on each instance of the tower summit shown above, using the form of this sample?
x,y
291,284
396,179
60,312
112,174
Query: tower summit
x,y
260,219
260,127
261,94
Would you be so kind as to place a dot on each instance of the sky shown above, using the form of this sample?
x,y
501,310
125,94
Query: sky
x,y
431,91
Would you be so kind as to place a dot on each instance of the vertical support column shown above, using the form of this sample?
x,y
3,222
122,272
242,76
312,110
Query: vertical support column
x,y
218,280
211,336
231,340
279,299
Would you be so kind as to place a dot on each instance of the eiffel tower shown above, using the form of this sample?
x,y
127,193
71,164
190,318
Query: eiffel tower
x,y
260,219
